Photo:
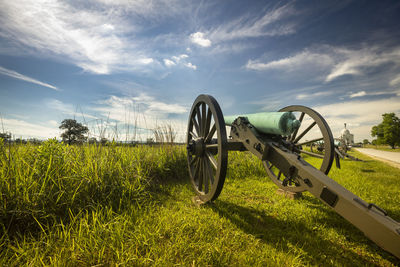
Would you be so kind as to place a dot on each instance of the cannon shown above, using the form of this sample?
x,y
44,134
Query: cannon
x,y
279,140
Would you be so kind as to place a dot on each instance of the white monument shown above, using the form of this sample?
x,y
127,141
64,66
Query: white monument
x,y
346,137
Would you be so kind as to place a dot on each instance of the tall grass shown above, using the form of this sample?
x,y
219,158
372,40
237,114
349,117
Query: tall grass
x,y
96,205
44,184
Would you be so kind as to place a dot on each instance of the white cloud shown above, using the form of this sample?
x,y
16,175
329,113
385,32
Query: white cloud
x,y
149,107
169,62
93,39
177,59
313,95
356,62
67,109
144,112
20,128
145,61
296,62
358,94
53,123
395,81
145,8
363,113
22,77
198,38
250,27
330,63
191,66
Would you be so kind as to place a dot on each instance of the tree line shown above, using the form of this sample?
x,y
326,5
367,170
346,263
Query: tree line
x,y
386,133
76,133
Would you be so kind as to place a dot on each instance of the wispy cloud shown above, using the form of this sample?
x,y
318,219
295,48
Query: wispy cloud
x,y
313,95
67,109
149,108
365,114
293,63
179,60
169,62
269,24
93,39
144,112
358,94
19,76
357,62
21,128
331,63
395,81
190,66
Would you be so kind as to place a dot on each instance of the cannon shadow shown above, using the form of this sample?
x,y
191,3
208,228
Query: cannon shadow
x,y
284,234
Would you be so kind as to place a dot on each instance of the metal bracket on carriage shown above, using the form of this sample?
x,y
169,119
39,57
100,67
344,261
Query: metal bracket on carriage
x,y
244,132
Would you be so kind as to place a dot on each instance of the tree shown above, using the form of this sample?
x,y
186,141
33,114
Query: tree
x,y
365,142
5,136
388,131
74,131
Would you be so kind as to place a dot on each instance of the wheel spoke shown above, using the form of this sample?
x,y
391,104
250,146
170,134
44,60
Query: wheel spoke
x,y
208,122
194,160
312,154
193,135
305,132
212,160
200,185
196,125
279,175
196,171
293,136
203,118
205,177
210,172
210,134
198,119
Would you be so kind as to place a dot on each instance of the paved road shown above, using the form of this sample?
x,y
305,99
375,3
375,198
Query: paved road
x,y
385,155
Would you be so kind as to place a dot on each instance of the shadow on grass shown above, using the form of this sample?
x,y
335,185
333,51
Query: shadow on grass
x,y
286,234
366,170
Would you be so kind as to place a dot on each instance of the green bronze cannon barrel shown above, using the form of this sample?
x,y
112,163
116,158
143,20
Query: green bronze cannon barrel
x,y
279,123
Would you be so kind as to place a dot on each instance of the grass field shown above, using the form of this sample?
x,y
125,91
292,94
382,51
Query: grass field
x,y
382,147
106,206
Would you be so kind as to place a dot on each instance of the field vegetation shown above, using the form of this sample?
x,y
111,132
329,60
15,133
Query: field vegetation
x,y
94,205
383,147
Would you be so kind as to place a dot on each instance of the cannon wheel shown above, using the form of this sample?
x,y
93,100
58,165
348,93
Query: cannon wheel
x,y
299,140
207,152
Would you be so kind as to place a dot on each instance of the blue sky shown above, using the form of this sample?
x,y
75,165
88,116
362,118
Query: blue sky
x,y
117,64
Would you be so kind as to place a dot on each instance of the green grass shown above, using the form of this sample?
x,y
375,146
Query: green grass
x,y
92,205
382,147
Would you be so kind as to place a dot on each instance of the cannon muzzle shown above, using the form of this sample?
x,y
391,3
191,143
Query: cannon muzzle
x,y
279,123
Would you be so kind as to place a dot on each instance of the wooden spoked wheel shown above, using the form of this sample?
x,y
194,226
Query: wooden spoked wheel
x,y
313,130
207,152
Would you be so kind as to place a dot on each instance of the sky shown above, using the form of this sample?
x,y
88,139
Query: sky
x,y
125,67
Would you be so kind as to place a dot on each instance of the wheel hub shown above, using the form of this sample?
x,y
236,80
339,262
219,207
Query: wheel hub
x,y
197,147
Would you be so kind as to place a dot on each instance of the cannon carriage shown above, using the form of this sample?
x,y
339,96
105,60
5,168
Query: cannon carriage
x,y
278,139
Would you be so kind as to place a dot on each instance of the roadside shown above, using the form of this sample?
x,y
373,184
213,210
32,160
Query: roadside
x,y
391,158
